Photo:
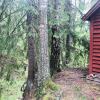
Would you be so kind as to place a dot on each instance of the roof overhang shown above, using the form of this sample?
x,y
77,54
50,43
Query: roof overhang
x,y
88,15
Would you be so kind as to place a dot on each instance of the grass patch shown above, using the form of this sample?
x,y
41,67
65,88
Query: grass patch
x,y
47,90
11,90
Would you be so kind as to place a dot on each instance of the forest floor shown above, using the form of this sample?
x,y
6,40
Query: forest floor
x,y
75,87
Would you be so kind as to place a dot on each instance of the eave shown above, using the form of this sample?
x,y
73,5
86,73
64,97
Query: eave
x,y
88,15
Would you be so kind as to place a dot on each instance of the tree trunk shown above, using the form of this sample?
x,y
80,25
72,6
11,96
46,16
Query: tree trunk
x,y
32,67
43,69
55,53
55,42
31,82
69,36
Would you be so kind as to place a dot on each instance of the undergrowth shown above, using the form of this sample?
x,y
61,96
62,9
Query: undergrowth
x,y
47,90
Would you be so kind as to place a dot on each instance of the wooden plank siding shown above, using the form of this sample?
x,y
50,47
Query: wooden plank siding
x,y
91,46
95,44
93,15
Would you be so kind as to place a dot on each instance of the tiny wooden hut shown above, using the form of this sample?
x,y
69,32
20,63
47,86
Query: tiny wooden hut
x,y
93,15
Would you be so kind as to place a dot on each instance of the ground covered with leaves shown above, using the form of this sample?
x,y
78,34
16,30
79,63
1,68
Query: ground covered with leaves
x,y
71,84
74,85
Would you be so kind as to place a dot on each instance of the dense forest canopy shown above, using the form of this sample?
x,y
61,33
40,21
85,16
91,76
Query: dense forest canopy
x,y
40,37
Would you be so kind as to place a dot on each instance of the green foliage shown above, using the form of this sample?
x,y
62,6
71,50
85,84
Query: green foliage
x,y
13,42
10,90
12,37
48,97
73,25
47,90
49,84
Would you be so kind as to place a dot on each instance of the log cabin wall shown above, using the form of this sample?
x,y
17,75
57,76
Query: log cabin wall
x,y
94,66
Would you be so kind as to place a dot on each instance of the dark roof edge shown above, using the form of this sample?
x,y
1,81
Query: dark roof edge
x,y
91,11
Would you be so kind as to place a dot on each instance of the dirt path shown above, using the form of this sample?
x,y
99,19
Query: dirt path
x,y
75,87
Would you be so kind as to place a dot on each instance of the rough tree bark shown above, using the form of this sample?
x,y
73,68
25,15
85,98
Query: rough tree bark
x,y
43,69
55,42
69,37
32,67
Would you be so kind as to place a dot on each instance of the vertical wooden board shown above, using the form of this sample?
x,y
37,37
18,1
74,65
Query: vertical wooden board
x,y
91,46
